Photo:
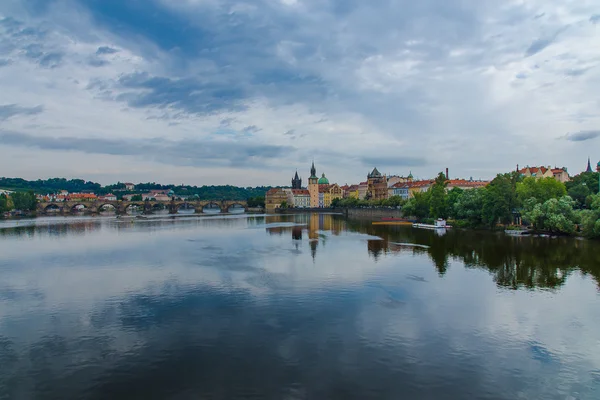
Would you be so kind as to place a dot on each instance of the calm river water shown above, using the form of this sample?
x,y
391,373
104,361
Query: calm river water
x,y
293,307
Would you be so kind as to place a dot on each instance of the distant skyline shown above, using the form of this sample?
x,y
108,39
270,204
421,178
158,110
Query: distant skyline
x,y
245,93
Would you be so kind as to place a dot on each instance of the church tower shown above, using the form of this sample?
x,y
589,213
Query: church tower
x,y
313,187
589,167
296,182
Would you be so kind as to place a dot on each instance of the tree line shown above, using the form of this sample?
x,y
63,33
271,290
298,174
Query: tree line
x,y
545,204
54,185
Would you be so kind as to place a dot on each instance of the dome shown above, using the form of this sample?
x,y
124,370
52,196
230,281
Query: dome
x,y
598,165
323,180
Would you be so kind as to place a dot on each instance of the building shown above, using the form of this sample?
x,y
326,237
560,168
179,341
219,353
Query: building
x,y
560,174
162,197
465,184
129,186
330,193
274,198
377,188
299,198
108,197
313,187
82,197
351,192
296,182
362,190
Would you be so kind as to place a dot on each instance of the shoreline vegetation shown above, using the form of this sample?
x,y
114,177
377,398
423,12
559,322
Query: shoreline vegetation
x,y
510,201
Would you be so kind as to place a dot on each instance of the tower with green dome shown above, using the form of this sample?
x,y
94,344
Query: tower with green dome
x,y
323,180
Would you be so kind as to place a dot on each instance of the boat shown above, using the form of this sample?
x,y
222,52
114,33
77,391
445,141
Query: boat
x,y
517,232
439,224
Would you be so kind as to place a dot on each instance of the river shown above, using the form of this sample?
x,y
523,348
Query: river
x,y
310,306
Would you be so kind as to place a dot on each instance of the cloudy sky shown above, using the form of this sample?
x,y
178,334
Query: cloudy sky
x,y
247,91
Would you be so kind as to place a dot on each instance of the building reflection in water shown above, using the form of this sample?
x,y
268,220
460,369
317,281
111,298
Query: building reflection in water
x,y
315,225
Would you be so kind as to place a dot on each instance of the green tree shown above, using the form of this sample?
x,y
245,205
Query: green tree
x,y
453,197
417,206
590,219
438,207
137,197
541,189
590,179
24,201
3,203
469,206
554,215
258,201
283,204
579,194
500,200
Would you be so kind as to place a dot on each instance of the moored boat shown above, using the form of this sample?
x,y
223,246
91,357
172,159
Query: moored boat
x,y
439,224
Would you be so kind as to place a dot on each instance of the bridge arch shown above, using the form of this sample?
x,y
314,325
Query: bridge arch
x,y
79,207
52,207
211,207
186,205
236,207
102,205
131,206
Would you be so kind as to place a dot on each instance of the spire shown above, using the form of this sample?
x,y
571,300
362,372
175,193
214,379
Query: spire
x,y
313,170
589,167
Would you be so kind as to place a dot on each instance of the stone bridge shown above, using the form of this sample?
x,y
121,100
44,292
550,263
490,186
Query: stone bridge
x,y
148,206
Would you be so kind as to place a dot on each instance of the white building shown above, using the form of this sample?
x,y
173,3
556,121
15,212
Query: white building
x,y
300,198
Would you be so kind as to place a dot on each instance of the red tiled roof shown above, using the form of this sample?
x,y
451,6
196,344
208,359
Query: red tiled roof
x,y
301,192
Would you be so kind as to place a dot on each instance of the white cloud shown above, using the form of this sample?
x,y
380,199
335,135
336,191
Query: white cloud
x,y
477,89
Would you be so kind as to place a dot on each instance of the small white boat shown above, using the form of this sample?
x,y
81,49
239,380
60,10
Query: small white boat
x,y
439,224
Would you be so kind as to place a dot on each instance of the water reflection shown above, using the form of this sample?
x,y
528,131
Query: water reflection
x,y
292,306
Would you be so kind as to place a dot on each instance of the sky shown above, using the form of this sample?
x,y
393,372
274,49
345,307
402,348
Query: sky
x,y
247,92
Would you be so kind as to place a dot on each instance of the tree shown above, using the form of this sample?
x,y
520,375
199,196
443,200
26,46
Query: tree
x,y
137,197
541,189
500,199
590,219
283,204
417,206
579,194
3,203
554,215
438,199
258,201
469,206
590,179
454,196
24,201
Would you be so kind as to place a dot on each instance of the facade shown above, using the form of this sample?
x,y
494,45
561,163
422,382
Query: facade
x,y
274,197
352,192
362,190
129,186
465,184
400,189
82,197
560,174
377,188
299,198
162,197
330,193
108,197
